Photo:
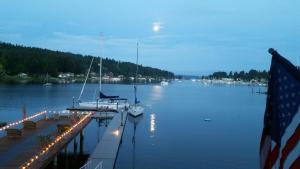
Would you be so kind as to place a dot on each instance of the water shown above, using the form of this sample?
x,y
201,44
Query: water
x,y
172,133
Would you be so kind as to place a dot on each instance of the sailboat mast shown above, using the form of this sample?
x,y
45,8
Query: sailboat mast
x,y
136,73
137,62
100,64
100,75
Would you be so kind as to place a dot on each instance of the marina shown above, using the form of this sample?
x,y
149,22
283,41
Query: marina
x,y
149,84
46,137
155,128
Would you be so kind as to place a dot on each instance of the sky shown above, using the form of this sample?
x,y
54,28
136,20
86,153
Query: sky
x,y
192,37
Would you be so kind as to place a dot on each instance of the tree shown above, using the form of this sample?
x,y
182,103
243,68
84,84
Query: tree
x,y
219,75
2,71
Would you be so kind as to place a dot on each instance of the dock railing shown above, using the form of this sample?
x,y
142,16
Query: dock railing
x,y
86,165
100,165
89,165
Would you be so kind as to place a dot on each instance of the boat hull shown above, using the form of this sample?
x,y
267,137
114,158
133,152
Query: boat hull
x,y
136,111
103,105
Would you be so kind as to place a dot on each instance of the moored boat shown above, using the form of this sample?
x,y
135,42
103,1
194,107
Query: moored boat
x,y
136,109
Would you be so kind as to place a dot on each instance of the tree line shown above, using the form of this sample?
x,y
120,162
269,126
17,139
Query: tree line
x,y
15,59
242,75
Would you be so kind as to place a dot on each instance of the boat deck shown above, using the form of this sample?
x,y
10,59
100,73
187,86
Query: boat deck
x,y
91,109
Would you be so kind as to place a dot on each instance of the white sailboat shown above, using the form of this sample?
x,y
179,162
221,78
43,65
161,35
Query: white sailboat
x,y
47,81
104,101
164,83
136,109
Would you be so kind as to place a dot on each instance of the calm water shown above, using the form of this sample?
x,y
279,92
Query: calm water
x,y
172,133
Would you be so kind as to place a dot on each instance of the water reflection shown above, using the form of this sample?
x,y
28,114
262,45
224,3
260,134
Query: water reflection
x,y
68,158
67,161
152,124
157,93
135,121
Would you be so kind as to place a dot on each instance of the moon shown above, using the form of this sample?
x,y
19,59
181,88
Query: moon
x,y
156,26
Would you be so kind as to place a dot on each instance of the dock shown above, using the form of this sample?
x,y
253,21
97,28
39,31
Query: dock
x,y
35,146
105,153
15,151
38,142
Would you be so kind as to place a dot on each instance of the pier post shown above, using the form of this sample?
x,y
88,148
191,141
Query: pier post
x,y
97,104
66,158
81,139
73,103
122,117
106,122
55,162
75,147
98,131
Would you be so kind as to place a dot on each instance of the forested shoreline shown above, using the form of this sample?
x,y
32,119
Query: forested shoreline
x,y
241,75
37,62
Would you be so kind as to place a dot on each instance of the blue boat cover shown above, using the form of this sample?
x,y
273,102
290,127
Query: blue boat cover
x,y
103,96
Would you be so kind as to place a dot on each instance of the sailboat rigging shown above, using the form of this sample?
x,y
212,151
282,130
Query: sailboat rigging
x,y
136,110
47,76
103,101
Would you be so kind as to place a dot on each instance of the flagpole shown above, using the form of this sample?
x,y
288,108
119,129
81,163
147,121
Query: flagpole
x,y
272,51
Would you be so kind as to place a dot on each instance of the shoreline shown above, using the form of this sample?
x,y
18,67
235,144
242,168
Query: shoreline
x,y
10,80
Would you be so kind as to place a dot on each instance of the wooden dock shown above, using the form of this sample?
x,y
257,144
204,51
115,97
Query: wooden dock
x,y
15,151
106,151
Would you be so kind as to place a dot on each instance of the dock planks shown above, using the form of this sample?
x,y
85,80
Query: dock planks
x,y
15,151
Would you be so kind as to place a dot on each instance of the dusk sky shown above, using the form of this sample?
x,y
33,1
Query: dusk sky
x,y
186,37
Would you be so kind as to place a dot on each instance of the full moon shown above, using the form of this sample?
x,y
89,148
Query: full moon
x,y
156,26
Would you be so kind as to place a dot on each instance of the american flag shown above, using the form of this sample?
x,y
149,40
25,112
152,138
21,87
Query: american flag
x,y
280,146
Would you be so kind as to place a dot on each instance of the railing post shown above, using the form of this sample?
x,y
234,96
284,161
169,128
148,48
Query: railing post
x,y
97,103
122,117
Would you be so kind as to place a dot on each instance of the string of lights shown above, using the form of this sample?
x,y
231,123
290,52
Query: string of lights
x,y
21,121
57,140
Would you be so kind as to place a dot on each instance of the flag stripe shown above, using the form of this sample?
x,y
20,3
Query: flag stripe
x,y
296,164
292,156
272,157
263,139
291,143
291,128
265,151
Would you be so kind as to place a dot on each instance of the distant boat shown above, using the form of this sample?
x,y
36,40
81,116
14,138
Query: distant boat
x,y
164,83
136,110
47,81
207,119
